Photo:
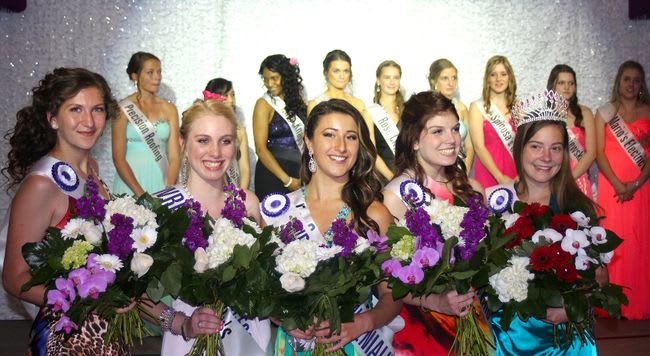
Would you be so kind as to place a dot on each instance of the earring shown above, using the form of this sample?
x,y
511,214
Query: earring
x,y
378,89
435,88
54,125
312,163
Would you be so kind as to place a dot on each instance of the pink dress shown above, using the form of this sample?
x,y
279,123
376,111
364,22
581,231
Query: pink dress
x,y
500,154
584,183
630,266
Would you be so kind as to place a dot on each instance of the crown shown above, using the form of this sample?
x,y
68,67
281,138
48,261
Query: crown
x,y
545,106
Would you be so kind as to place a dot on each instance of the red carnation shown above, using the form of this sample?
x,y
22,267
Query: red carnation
x,y
562,222
523,229
542,258
568,273
535,209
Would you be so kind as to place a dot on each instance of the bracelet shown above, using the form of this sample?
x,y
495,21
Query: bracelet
x,y
167,318
183,333
289,182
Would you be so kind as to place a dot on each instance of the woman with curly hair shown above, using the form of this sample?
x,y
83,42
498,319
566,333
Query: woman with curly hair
x,y
278,126
340,183
50,161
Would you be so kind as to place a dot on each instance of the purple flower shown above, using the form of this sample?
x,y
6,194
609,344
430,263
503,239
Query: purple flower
x,y
378,241
419,224
65,324
66,286
411,274
390,267
291,230
90,262
106,276
58,300
473,226
79,276
426,257
120,242
91,205
93,287
193,237
235,206
342,235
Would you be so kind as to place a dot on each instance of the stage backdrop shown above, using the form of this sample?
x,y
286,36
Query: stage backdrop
x,y
200,40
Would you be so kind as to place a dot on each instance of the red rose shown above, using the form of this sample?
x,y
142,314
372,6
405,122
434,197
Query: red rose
x,y
542,258
562,222
523,229
535,209
568,273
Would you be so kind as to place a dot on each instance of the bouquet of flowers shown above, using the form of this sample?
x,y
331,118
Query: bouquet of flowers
x,y
551,261
440,249
97,263
320,280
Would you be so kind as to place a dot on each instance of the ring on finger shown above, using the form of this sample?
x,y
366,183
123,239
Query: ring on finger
x,y
200,324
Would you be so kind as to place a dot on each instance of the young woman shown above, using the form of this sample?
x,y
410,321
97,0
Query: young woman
x,y
340,182
145,133
208,138
623,145
443,78
541,152
50,160
490,126
220,89
385,111
427,154
580,123
278,126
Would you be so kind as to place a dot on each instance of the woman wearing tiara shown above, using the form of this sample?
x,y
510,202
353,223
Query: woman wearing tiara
x,y
145,133
278,126
490,126
208,138
385,111
50,161
427,157
443,78
623,141
541,152
580,123
340,183
221,89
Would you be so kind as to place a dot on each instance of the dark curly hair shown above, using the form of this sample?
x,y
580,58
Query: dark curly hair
x,y
417,111
364,185
574,107
291,83
219,86
32,137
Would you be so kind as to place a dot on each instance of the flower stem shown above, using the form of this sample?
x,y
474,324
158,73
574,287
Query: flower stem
x,y
209,344
470,339
125,326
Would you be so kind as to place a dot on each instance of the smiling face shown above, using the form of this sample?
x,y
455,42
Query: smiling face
x,y
447,82
498,79
439,143
389,80
80,120
335,145
209,147
231,100
565,85
542,155
272,82
338,74
150,76
630,84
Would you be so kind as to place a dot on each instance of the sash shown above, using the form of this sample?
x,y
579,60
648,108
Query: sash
x,y
500,123
147,132
244,336
385,124
378,341
623,135
575,147
232,174
297,126
405,185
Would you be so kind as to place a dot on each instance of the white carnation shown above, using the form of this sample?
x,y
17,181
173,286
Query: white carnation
x,y
447,216
299,257
221,243
511,283
72,229
292,282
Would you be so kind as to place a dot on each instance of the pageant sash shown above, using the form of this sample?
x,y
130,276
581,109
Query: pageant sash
x,y
277,209
623,135
297,126
575,147
147,132
385,124
501,125
378,341
232,174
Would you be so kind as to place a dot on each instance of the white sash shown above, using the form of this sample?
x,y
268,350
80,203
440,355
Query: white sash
x,y
575,147
500,123
297,126
623,135
385,124
240,336
147,132
232,174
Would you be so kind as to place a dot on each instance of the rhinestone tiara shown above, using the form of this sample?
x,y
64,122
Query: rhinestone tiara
x,y
545,106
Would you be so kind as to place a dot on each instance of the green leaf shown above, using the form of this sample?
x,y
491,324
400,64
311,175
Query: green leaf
x,y
155,290
576,306
227,274
241,256
172,278
508,315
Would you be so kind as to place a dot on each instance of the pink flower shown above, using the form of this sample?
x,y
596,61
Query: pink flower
x,y
92,287
108,277
390,267
67,287
598,235
65,324
58,300
411,274
293,61
79,276
91,264
379,241
426,257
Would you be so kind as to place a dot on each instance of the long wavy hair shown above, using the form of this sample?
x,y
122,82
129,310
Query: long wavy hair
x,y
563,185
399,100
291,83
32,137
511,91
644,96
417,111
363,186
574,107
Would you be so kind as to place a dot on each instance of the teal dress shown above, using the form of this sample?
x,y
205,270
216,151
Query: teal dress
x,y
142,163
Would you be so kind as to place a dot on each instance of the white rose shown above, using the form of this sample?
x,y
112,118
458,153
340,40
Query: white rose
x,y
292,282
141,263
201,260
92,233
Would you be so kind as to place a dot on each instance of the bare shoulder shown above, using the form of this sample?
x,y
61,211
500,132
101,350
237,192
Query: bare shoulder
x,y
262,107
477,186
586,111
357,103
37,191
252,201
380,214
